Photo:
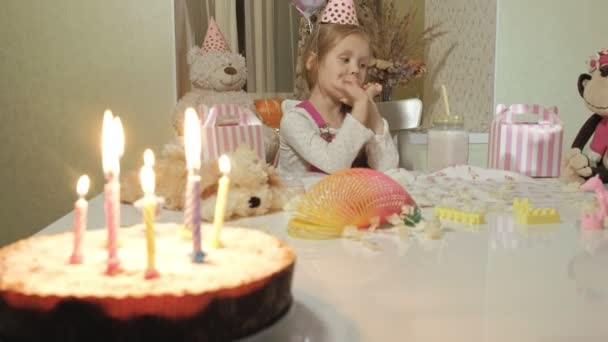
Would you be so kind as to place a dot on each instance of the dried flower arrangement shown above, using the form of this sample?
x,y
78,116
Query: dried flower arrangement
x,y
397,49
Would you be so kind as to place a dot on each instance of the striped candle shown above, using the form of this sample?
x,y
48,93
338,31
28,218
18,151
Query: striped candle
x,y
192,215
194,205
112,150
112,212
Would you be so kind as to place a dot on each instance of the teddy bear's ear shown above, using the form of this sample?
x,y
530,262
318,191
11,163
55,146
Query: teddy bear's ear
x,y
174,150
192,54
274,180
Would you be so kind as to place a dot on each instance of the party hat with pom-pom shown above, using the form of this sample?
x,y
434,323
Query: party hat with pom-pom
x,y
340,12
214,39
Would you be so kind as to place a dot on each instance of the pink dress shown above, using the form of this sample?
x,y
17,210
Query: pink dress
x,y
360,161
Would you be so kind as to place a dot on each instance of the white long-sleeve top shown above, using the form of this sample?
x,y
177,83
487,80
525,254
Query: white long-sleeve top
x,y
301,145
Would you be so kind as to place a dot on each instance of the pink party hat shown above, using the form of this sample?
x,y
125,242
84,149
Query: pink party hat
x,y
214,39
340,12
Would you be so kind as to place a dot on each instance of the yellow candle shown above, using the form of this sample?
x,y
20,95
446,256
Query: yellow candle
x,y
220,204
149,203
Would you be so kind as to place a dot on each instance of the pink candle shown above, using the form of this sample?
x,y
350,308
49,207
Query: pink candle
x,y
112,211
80,218
194,206
192,215
112,150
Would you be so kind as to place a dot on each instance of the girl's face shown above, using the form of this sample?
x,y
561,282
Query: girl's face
x,y
347,61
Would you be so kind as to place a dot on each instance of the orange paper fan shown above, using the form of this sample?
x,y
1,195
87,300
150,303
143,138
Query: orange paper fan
x,y
351,197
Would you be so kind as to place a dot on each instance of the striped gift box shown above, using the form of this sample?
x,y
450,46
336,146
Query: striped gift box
x,y
532,148
228,126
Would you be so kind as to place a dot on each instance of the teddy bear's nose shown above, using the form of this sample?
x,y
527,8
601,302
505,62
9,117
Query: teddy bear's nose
x,y
254,202
230,70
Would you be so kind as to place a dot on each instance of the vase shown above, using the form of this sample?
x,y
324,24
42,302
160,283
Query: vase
x,y
387,93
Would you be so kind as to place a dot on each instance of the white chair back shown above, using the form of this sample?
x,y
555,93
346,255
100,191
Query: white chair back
x,y
401,114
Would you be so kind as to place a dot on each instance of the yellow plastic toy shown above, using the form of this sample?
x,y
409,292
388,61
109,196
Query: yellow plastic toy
x,y
526,214
451,214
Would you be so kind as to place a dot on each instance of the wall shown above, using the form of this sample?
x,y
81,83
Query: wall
x,y
416,87
541,50
62,63
463,60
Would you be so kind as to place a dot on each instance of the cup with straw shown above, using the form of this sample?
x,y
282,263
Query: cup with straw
x,y
446,103
447,118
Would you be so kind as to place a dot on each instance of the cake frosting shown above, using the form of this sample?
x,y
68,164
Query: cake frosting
x,y
253,269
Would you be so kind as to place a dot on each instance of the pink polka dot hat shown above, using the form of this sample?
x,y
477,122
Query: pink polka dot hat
x,y
214,39
340,12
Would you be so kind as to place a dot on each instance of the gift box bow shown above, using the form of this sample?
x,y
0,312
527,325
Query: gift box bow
x,y
228,115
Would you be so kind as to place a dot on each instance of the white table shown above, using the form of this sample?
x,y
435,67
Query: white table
x,y
494,284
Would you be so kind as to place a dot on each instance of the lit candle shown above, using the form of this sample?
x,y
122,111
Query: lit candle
x,y
80,218
112,150
220,204
149,204
192,211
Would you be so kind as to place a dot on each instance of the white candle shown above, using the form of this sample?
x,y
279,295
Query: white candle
x,y
112,150
80,218
192,214
222,198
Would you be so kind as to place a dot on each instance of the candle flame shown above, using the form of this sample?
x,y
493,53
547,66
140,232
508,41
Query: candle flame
x,y
112,143
146,175
147,178
224,162
192,139
83,185
119,135
148,157
106,141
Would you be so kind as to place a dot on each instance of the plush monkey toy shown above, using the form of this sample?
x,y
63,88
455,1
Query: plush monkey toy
x,y
593,88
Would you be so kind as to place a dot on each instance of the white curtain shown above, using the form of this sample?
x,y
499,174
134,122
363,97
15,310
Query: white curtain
x,y
271,35
184,39
260,45
225,16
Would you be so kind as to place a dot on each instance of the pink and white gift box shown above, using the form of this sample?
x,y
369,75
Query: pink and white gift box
x,y
228,126
532,147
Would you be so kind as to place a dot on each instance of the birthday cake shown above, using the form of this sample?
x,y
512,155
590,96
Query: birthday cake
x,y
238,289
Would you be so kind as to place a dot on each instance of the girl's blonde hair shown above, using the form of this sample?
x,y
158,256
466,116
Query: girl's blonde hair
x,y
321,41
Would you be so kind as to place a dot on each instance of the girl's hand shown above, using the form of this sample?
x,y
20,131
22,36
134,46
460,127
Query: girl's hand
x,y
372,89
375,122
356,97
352,91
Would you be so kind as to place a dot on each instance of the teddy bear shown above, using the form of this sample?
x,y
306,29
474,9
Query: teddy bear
x,y
593,88
255,187
217,76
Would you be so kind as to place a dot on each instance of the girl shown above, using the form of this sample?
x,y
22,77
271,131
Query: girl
x,y
319,134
